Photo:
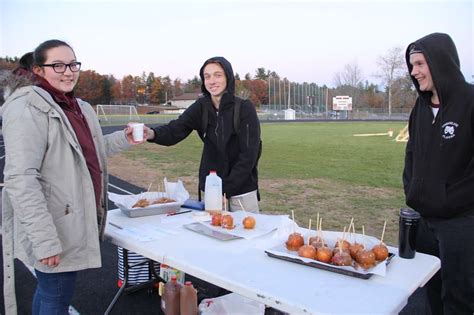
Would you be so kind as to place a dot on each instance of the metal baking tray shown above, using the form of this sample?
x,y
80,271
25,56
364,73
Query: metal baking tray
x,y
319,265
205,230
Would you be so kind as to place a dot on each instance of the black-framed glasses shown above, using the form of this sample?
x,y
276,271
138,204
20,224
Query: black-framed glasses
x,y
61,67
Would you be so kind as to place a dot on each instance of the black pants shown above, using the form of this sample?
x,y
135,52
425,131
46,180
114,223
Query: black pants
x,y
451,290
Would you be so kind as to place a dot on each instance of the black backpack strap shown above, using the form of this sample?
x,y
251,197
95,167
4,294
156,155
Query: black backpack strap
x,y
237,104
204,120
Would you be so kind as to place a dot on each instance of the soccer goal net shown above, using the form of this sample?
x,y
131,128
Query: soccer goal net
x,y
117,112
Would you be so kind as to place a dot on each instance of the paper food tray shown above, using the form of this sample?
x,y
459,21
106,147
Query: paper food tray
x,y
175,191
280,252
316,264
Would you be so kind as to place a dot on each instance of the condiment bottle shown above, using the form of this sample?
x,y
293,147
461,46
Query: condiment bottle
x,y
170,297
188,299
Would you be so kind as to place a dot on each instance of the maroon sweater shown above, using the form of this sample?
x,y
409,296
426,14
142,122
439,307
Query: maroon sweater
x,y
78,122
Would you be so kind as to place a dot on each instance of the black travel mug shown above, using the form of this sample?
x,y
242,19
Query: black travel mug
x,y
408,226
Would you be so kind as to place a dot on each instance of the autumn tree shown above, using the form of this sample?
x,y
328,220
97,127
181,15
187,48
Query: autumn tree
x,y
107,85
391,66
129,89
262,74
177,87
155,91
149,83
166,92
90,87
371,96
8,63
257,90
403,95
192,85
140,84
116,92
241,90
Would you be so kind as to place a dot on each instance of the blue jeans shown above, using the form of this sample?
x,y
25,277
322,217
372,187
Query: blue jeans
x,y
53,292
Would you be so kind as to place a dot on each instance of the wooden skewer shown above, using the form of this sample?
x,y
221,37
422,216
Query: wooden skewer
x,y
293,218
317,222
225,203
242,207
363,235
349,230
383,231
165,189
321,228
149,187
309,225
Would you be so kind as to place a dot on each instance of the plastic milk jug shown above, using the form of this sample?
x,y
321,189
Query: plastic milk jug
x,y
213,192
170,297
188,299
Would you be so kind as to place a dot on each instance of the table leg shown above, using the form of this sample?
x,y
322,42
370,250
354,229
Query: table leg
x,y
124,284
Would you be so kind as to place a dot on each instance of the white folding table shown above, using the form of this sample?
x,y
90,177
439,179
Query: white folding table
x,y
243,267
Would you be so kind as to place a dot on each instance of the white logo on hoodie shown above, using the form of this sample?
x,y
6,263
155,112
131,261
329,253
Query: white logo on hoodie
x,y
449,129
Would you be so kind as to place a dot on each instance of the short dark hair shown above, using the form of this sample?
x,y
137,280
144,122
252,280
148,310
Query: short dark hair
x,y
39,55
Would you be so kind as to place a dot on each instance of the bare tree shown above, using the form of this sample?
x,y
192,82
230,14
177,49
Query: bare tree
x,y
349,81
351,75
391,68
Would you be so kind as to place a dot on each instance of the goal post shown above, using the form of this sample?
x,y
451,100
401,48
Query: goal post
x,y
117,112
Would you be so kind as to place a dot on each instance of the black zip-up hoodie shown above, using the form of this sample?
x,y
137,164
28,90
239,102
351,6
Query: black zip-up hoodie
x,y
439,163
234,156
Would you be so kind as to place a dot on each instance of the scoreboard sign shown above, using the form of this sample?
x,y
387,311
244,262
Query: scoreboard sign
x,y
342,103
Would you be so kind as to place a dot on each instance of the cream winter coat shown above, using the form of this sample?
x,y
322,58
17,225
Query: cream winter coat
x,y
48,201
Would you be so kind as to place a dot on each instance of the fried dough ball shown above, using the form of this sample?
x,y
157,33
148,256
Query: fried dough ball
x,y
365,258
295,241
249,222
162,200
142,203
345,245
356,247
307,251
342,258
380,251
227,222
317,241
324,254
216,219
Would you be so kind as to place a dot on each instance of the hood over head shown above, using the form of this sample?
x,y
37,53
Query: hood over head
x,y
443,61
229,74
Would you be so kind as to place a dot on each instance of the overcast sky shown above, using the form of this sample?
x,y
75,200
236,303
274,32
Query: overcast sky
x,y
301,40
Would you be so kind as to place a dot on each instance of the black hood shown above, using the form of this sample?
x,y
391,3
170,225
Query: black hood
x,y
229,73
443,61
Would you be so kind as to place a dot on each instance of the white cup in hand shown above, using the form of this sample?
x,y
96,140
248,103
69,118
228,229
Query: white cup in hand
x,y
137,131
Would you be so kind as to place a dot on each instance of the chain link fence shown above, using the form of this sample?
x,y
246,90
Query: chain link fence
x,y
277,112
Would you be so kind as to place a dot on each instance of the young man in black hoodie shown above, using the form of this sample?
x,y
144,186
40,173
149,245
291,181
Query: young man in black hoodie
x,y
439,170
232,153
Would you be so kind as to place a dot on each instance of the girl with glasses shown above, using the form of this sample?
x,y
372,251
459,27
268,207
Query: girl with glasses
x,y
54,199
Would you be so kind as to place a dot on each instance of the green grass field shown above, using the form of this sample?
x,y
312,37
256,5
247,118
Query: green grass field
x,y
313,167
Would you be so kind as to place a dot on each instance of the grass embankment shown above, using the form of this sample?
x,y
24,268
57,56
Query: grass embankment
x,y
309,168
